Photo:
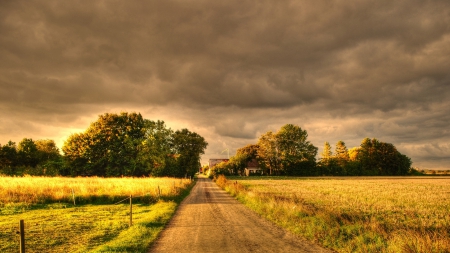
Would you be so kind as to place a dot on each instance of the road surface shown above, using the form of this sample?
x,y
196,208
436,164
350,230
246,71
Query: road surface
x,y
210,220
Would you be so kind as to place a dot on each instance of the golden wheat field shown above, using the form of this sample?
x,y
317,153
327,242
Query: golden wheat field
x,y
356,214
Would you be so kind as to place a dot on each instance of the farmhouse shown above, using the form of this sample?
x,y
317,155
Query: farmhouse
x,y
253,168
214,162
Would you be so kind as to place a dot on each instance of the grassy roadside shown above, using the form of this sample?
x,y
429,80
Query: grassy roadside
x,y
354,215
63,227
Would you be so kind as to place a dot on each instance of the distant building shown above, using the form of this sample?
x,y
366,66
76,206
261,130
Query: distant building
x,y
253,168
214,162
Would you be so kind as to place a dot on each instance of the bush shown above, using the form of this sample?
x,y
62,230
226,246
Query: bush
x,y
221,181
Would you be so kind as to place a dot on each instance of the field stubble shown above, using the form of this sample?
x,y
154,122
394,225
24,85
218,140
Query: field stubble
x,y
355,214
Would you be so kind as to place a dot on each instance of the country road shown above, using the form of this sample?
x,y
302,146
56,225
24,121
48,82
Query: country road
x,y
209,220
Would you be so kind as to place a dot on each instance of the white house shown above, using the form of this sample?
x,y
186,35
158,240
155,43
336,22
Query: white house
x,y
253,168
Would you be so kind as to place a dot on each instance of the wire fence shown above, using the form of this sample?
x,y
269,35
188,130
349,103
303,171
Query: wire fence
x,y
67,230
74,229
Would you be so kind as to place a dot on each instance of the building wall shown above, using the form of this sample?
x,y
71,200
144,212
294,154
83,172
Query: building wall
x,y
214,162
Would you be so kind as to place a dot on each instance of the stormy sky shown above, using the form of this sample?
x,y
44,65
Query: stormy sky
x,y
232,70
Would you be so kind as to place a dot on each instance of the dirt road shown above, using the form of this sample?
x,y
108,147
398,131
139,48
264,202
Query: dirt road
x,y
209,220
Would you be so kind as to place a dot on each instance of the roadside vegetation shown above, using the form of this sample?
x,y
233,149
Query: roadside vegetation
x,y
96,222
388,214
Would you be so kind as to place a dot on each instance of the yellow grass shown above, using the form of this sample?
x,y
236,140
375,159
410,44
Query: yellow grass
x,y
35,190
357,215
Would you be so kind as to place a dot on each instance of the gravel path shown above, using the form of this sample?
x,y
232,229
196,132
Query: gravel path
x,y
209,220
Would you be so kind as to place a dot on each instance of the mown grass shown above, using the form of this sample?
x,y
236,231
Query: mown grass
x,y
354,214
95,223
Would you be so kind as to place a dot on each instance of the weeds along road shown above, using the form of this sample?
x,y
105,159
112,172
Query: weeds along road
x,y
210,220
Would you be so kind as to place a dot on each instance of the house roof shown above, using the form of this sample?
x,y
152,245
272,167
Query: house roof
x,y
214,162
252,163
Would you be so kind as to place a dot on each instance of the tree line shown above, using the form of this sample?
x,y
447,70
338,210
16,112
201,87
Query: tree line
x,y
30,157
122,144
288,152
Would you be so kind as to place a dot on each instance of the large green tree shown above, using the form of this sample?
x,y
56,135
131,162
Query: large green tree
x,y
127,144
188,146
47,150
28,153
50,160
298,155
288,151
76,154
157,154
380,158
109,147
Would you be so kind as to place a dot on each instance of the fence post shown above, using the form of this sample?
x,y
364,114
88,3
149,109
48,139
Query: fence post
x,y
22,236
131,210
73,196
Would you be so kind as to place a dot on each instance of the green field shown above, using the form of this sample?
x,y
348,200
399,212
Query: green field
x,y
386,214
95,223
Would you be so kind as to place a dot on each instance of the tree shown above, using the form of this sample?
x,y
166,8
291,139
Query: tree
x,y
326,153
28,153
297,154
109,147
341,152
341,157
47,150
327,163
250,151
353,153
288,151
223,168
189,146
268,152
379,158
8,158
77,155
127,144
243,156
157,155
50,160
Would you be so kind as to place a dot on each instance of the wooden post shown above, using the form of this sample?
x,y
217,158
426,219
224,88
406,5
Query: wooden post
x,y
131,210
22,236
73,196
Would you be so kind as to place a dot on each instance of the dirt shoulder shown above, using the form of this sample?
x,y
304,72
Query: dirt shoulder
x,y
209,220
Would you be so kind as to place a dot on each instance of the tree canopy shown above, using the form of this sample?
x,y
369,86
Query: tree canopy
x,y
371,158
287,151
40,157
126,144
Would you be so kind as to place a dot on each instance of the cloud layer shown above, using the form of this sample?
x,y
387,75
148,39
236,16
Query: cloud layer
x,y
232,70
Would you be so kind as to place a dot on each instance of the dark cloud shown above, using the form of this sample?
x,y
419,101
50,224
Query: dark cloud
x,y
232,70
